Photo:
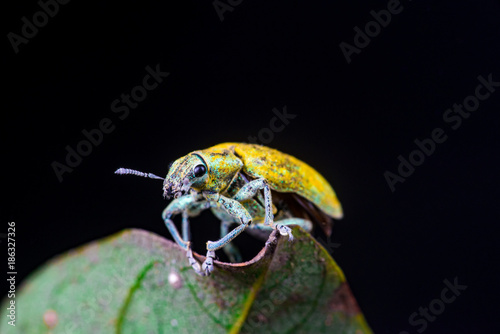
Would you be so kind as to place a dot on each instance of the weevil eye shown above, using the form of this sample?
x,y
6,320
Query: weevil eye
x,y
199,171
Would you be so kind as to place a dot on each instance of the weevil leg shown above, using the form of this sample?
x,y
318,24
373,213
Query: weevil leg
x,y
186,236
186,231
250,189
212,246
186,244
235,209
175,234
282,226
189,206
232,252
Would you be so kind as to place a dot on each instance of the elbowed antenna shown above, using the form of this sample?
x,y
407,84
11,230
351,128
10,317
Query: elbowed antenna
x,y
126,171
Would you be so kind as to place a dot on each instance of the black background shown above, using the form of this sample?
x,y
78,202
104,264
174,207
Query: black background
x,y
352,122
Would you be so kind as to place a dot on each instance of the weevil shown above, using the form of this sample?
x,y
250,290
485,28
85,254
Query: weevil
x,y
254,186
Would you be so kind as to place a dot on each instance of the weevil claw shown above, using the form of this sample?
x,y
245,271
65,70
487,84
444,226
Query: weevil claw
x,y
192,261
285,230
208,265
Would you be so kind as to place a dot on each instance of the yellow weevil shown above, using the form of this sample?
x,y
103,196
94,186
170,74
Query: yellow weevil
x,y
227,178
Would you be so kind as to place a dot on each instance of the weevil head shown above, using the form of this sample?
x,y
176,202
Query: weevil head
x,y
210,169
185,173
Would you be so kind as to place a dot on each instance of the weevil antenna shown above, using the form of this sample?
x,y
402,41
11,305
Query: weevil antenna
x,y
126,171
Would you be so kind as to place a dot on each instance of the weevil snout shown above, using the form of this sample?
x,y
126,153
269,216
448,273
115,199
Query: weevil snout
x,y
167,193
175,190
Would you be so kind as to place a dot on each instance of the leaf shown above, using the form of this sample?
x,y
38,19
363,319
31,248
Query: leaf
x,y
138,282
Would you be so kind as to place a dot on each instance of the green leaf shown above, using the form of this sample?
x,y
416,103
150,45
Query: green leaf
x,y
138,282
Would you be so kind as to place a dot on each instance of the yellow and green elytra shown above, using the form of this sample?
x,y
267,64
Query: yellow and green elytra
x,y
256,187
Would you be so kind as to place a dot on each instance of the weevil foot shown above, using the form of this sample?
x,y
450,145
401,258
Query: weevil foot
x,y
285,230
192,261
208,265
